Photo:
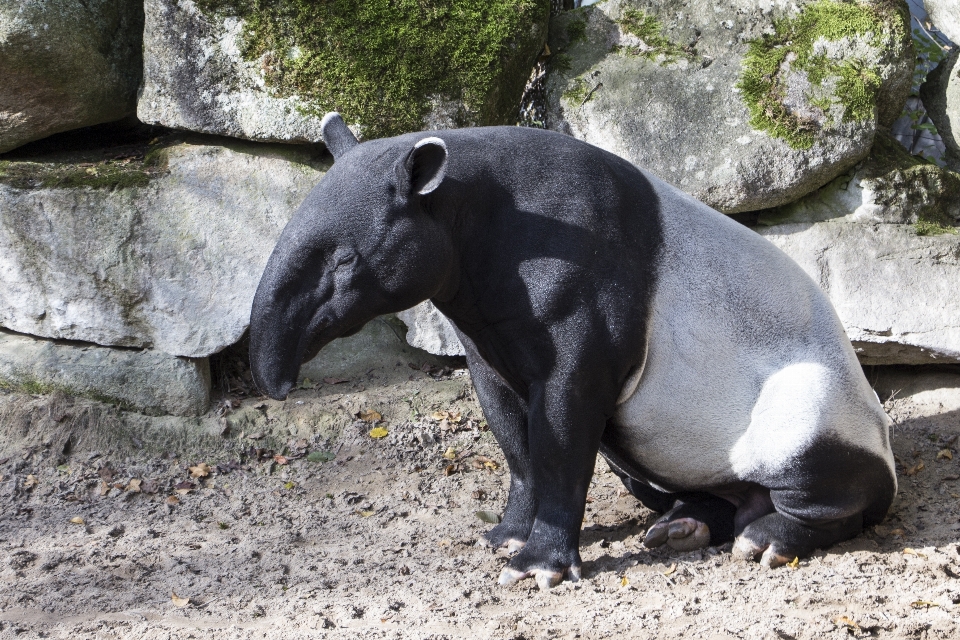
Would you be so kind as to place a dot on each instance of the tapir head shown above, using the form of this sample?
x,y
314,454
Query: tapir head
x,y
364,242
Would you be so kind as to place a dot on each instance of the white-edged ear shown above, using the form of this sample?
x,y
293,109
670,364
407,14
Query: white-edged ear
x,y
336,135
425,165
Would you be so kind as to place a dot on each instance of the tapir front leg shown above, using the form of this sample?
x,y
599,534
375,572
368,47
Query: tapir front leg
x,y
564,434
506,413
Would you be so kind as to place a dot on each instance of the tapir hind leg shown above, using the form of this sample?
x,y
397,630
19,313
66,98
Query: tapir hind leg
x,y
506,413
690,520
836,490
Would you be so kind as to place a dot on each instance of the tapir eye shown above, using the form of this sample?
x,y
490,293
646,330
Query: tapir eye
x,y
344,260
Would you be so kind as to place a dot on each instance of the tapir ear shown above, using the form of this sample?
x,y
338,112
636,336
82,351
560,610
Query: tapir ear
x,y
336,135
425,165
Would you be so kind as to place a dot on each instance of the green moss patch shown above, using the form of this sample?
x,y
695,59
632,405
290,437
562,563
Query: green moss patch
x,y
895,176
650,30
791,46
34,387
927,228
381,62
132,169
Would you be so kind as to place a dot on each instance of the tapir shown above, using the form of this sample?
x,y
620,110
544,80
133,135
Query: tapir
x,y
602,311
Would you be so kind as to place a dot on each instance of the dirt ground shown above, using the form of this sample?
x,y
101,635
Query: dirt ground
x,y
106,532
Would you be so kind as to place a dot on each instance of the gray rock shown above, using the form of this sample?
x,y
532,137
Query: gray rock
x,y
428,329
195,78
946,15
378,348
270,72
883,244
145,381
670,87
941,97
66,64
164,252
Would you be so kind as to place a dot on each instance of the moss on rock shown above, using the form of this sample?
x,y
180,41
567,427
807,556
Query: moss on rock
x,y
797,45
649,30
900,179
386,63
134,168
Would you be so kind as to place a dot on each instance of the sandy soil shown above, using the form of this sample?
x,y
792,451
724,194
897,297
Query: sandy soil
x,y
379,541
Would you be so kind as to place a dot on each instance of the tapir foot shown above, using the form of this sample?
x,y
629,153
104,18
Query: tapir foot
x,y
546,578
543,562
693,525
505,535
512,545
775,540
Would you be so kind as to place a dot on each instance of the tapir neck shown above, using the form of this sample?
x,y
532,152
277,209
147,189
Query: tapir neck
x,y
531,235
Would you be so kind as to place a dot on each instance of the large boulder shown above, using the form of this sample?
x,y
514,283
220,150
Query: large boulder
x,y
946,15
145,381
882,242
744,104
156,247
270,71
379,348
941,97
66,64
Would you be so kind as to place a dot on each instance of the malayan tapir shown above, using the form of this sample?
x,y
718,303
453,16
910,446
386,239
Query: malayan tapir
x,y
601,310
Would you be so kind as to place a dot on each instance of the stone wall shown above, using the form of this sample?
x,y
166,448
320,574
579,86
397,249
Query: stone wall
x,y
130,251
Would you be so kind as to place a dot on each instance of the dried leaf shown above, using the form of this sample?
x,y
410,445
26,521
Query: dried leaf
x,y
487,463
30,482
378,432
793,564
279,459
104,488
77,520
321,456
671,569
899,533
488,516
624,582
844,621
134,485
916,604
450,453
912,471
945,454
335,380
179,602
307,384
202,470
438,415
106,473
369,415
913,552
255,436
366,514
451,469
172,500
